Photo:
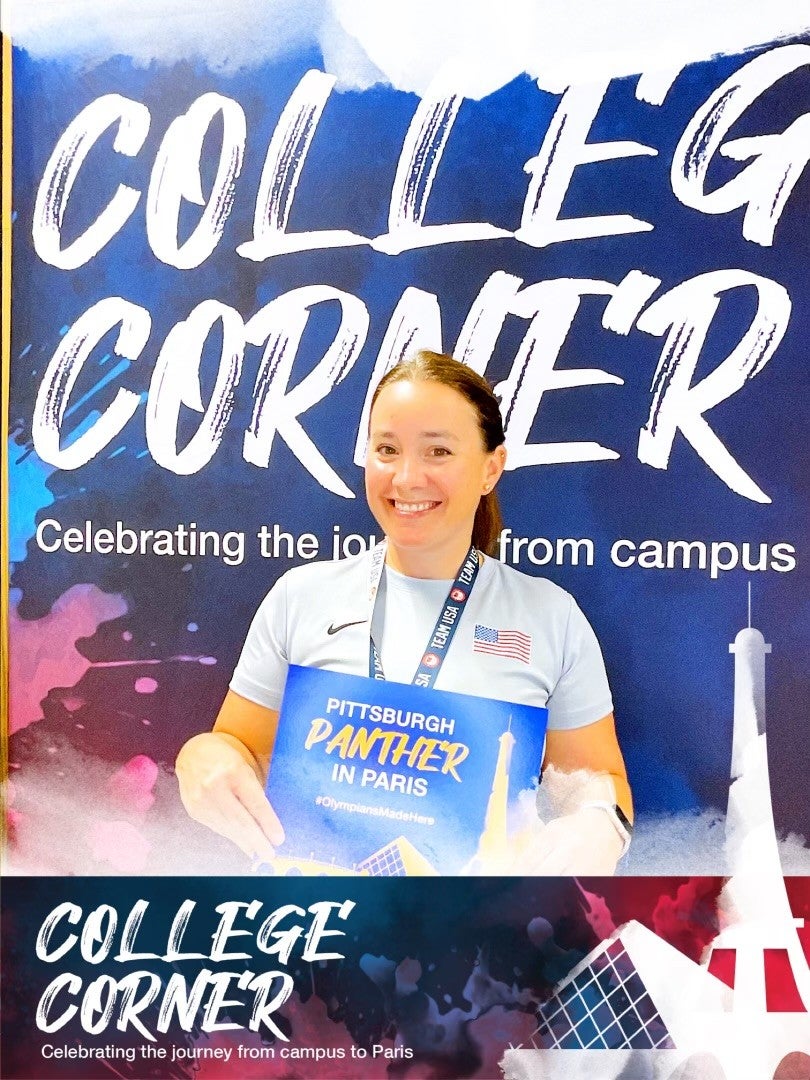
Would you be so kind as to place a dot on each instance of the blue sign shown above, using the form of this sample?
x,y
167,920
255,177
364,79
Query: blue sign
x,y
382,778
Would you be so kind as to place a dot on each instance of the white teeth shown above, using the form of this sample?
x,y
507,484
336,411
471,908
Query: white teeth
x,y
412,508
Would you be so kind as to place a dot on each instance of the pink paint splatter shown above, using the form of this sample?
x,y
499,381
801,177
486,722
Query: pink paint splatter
x,y
145,685
689,919
42,652
407,976
311,1026
13,817
119,844
494,1032
132,785
598,915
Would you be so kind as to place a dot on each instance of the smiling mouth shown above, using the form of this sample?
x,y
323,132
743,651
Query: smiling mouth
x,y
412,507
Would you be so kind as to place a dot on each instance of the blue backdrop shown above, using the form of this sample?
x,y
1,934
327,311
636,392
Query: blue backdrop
x,y
129,667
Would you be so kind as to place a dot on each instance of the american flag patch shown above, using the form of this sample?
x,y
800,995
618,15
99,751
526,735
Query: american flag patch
x,y
511,643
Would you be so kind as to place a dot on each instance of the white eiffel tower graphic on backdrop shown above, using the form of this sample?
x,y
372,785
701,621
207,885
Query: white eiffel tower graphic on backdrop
x,y
637,1008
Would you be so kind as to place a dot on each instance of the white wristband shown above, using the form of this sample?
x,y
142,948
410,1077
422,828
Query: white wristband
x,y
620,823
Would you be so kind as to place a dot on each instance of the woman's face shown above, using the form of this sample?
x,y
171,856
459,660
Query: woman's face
x,y
426,470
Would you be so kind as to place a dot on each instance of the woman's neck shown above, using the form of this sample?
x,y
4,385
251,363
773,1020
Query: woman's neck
x,y
441,566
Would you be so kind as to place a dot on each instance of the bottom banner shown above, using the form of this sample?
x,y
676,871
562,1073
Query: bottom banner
x,y
409,978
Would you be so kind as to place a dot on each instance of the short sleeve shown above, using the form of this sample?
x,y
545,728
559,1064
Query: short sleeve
x,y
582,693
261,672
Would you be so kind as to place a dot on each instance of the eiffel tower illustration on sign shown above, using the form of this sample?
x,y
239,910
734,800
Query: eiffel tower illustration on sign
x,y
637,1009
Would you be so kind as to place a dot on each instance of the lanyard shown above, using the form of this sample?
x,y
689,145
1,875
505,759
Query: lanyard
x,y
442,634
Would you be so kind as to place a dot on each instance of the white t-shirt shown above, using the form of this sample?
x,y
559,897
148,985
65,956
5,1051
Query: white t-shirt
x,y
317,615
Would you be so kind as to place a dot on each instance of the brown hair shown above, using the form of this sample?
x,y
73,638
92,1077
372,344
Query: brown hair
x,y
426,366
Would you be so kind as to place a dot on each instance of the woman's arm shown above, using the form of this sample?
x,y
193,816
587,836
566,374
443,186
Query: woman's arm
x,y
253,726
584,769
595,749
222,773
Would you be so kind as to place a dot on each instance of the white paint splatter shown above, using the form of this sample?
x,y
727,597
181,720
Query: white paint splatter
x,y
227,35
474,44
693,843
61,827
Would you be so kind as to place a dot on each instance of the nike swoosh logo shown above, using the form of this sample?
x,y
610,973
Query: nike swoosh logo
x,y
342,626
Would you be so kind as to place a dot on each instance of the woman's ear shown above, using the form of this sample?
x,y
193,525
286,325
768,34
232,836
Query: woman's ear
x,y
496,463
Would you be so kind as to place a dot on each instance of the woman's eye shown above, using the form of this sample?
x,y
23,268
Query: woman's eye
x,y
385,450
439,451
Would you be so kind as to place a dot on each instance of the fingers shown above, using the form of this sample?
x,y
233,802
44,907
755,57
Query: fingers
x,y
255,802
580,844
583,843
543,861
221,791
239,826
554,864
230,806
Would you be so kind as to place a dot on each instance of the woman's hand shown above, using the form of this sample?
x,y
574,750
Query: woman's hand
x,y
221,787
583,778
585,843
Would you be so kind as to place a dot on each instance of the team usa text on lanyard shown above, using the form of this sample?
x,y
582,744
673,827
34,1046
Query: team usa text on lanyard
x,y
442,634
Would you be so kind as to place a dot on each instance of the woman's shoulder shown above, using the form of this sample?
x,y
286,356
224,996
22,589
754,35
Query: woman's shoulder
x,y
529,588
316,586
326,573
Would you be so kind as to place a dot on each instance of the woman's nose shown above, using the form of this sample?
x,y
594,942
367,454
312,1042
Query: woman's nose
x,y
408,471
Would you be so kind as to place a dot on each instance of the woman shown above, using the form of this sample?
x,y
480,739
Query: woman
x,y
435,454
